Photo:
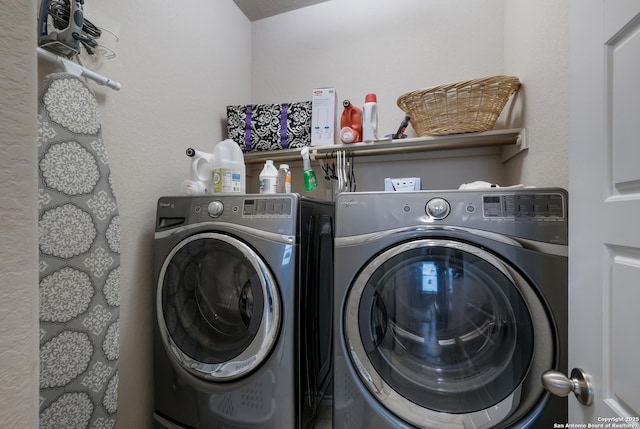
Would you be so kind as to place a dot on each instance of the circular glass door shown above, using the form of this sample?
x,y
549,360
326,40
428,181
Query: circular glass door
x,y
439,329
218,306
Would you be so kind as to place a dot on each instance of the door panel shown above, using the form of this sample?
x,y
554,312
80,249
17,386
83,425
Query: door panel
x,y
623,88
209,294
442,333
218,307
604,243
625,297
445,329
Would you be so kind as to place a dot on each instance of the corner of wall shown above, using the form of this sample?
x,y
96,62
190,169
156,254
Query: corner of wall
x,y
18,205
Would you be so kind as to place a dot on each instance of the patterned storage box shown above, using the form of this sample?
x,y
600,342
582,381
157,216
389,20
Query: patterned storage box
x,y
258,127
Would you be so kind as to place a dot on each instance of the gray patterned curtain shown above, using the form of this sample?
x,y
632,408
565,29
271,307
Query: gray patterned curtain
x,y
79,241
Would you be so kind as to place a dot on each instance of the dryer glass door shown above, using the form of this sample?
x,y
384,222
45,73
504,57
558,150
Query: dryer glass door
x,y
442,325
218,306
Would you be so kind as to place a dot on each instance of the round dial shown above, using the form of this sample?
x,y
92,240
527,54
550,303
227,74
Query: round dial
x,y
438,208
215,208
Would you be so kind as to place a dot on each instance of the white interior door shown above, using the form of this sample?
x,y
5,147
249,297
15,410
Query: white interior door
x,y
604,242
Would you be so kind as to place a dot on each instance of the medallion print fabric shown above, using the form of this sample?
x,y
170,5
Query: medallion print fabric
x,y
79,243
257,127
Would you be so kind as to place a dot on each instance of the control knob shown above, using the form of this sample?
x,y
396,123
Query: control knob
x,y
438,208
215,208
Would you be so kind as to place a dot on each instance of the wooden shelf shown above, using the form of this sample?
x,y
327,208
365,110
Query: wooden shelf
x,y
513,142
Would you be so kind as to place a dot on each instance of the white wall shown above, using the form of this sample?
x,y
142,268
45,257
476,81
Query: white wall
x,y
381,46
536,50
388,48
360,46
179,64
18,214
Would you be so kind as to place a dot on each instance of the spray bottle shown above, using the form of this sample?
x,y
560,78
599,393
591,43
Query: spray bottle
x,y
310,182
201,166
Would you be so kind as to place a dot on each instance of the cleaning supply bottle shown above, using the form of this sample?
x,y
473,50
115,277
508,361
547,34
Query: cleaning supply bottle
x,y
200,176
268,178
194,187
350,123
370,119
201,165
310,181
228,173
283,183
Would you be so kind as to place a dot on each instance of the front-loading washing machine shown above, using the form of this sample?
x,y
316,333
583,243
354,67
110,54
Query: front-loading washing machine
x,y
242,334
449,307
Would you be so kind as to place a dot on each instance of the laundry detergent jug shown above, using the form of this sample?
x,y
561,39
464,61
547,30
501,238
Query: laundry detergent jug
x,y
350,123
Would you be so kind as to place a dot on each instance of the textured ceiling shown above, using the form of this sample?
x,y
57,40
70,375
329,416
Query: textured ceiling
x,y
258,9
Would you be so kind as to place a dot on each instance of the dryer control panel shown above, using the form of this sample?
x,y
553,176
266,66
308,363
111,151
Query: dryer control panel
x,y
539,214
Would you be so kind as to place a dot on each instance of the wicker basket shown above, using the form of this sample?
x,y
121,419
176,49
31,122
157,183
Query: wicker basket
x,y
462,107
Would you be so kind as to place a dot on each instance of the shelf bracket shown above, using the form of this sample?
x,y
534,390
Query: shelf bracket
x,y
522,144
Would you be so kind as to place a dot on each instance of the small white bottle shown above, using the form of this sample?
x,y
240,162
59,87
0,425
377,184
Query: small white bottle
x,y
283,184
268,178
370,119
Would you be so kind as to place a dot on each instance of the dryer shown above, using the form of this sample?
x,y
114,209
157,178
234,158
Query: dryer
x,y
242,335
449,306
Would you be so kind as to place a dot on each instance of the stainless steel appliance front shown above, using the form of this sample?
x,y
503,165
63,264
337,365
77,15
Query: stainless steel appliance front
x,y
445,321
240,340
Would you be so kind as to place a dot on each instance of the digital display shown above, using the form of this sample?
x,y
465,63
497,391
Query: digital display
x,y
266,207
524,206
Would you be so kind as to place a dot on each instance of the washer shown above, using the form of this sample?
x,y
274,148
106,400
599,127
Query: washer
x,y
242,335
449,306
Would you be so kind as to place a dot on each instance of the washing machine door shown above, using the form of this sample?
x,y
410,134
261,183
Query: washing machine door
x,y
218,307
441,332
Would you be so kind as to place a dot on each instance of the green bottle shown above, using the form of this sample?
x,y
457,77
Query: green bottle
x,y
310,182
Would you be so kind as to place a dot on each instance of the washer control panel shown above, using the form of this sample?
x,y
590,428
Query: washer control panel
x,y
270,213
267,207
529,206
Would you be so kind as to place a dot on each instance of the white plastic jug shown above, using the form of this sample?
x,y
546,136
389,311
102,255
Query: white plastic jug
x,y
229,175
268,178
201,165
